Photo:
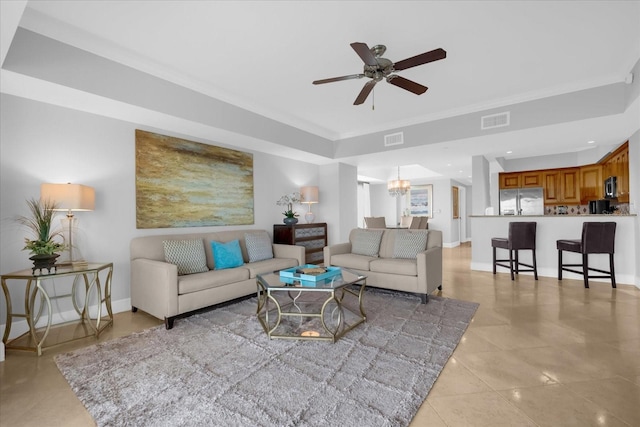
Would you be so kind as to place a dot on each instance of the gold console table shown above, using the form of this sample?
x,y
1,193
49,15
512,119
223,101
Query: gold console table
x,y
89,274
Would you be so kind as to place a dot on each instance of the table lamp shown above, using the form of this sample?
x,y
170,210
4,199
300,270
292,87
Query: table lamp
x,y
309,196
70,197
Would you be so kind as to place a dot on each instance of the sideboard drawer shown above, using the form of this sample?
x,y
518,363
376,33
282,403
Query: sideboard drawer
x,y
312,236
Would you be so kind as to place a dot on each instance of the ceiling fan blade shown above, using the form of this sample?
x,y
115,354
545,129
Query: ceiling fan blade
x,y
423,58
364,53
366,90
407,84
337,79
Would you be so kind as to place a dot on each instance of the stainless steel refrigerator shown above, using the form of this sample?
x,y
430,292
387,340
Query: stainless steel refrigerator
x,y
522,201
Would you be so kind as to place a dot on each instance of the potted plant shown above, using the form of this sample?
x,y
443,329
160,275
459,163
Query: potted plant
x,y
290,216
42,244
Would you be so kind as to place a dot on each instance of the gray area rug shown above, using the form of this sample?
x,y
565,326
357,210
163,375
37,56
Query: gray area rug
x,y
219,368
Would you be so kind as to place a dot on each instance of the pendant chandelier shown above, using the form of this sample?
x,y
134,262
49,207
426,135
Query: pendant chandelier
x,y
398,187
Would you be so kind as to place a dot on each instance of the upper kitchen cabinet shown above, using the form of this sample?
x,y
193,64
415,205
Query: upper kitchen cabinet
x,y
531,179
528,179
575,185
561,186
617,164
509,180
591,187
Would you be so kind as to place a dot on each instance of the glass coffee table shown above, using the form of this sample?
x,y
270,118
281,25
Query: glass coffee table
x,y
310,310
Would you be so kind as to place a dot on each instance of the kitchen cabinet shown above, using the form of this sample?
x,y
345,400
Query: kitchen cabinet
x,y
509,180
528,179
575,185
531,179
617,164
312,236
591,183
561,186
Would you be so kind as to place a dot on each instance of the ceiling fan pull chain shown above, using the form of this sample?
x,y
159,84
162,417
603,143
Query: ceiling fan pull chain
x,y
373,100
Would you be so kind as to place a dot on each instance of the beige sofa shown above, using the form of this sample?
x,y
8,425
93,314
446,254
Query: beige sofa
x,y
391,266
157,289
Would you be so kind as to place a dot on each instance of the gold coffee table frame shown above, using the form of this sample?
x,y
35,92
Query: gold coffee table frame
x,y
335,287
34,285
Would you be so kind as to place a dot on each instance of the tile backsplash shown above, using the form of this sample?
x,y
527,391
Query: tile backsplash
x,y
623,208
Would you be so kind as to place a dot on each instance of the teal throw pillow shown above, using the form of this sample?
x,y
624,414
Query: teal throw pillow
x,y
226,255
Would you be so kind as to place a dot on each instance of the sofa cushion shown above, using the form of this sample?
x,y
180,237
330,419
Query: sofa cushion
x,y
399,266
187,255
226,255
211,279
357,262
259,246
366,242
407,244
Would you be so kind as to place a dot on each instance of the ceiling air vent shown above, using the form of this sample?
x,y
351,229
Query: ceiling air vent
x,y
495,120
394,139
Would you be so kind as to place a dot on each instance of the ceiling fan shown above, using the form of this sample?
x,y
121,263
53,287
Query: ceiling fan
x,y
377,68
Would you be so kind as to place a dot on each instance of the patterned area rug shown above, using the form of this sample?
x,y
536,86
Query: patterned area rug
x,y
219,368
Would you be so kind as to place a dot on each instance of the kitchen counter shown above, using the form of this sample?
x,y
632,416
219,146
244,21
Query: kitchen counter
x,y
549,229
554,216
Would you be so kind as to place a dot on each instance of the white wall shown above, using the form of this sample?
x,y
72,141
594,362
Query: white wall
x,y
634,193
339,199
442,210
382,204
481,185
44,143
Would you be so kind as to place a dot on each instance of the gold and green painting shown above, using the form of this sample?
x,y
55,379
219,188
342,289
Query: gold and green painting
x,y
182,183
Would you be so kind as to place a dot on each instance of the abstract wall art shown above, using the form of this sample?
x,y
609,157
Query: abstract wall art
x,y
421,200
181,183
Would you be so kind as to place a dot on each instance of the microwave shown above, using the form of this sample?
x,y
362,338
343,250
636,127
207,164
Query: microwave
x,y
610,190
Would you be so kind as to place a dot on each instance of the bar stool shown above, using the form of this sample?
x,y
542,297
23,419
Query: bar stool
x,y
522,235
597,238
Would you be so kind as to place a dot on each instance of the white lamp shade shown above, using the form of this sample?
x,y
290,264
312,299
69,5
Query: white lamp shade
x,y
309,194
69,197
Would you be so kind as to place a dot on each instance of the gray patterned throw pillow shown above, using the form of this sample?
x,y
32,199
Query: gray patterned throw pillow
x,y
366,242
187,255
408,244
258,246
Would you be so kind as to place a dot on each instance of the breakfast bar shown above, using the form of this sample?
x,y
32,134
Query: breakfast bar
x,y
550,228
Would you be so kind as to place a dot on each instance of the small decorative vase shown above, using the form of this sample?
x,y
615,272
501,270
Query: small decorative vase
x,y
44,261
290,221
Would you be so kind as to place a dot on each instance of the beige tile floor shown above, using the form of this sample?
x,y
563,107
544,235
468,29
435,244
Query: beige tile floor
x,y
543,353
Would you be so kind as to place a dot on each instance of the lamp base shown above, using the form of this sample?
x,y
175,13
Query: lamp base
x,y
309,217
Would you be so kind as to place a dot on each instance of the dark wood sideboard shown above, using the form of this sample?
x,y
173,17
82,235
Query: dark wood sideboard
x,y
312,236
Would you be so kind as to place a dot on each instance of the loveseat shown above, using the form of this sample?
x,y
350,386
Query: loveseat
x,y
174,275
398,259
